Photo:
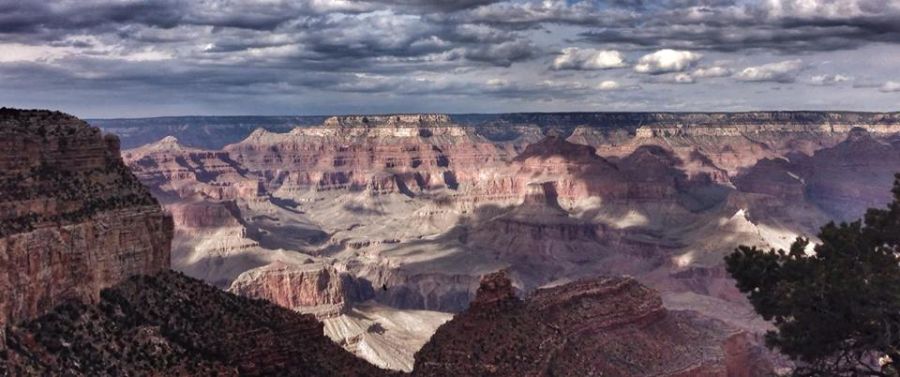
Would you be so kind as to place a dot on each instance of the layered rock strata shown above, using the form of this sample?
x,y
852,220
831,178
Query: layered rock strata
x,y
599,327
311,288
73,219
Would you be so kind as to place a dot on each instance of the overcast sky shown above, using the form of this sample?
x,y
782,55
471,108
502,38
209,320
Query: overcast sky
x,y
158,57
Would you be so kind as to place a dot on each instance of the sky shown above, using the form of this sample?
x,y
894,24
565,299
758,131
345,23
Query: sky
x,y
128,58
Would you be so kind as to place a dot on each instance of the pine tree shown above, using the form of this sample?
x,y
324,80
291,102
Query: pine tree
x,y
836,310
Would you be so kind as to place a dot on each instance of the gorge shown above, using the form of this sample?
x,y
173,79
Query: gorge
x,y
393,214
428,244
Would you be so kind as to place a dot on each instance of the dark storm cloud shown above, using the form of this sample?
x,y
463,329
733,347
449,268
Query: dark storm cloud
x,y
36,17
503,54
722,25
439,5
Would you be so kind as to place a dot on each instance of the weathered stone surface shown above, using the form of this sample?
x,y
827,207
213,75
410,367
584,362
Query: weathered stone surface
x,y
599,327
73,219
312,288
172,325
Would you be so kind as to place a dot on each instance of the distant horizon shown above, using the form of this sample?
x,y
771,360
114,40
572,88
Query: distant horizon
x,y
474,113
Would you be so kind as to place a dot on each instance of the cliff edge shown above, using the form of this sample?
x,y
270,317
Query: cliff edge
x,y
73,219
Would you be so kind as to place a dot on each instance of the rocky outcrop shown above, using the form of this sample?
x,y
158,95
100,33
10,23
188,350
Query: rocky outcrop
x,y
172,325
175,172
404,154
73,219
312,288
599,327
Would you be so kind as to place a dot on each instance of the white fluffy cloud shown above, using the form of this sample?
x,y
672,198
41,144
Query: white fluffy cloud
x,y
782,72
709,72
890,86
609,85
667,60
588,59
829,79
827,9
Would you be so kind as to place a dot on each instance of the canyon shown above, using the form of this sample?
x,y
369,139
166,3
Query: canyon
x,y
96,297
383,225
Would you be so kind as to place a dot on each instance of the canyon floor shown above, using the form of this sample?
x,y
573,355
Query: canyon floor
x,y
383,226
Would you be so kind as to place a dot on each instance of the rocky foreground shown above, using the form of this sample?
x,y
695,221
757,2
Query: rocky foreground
x,y
85,288
172,325
595,327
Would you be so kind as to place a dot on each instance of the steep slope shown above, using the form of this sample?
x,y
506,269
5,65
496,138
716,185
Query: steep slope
x,y
310,288
73,219
600,327
169,324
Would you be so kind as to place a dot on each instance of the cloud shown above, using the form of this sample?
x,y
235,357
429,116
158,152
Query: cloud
x,y
780,25
683,78
781,72
503,54
827,79
890,86
609,85
666,61
710,72
588,59
298,53
439,5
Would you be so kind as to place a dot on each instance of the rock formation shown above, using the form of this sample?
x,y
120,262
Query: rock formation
x,y
168,325
418,207
599,327
73,219
309,288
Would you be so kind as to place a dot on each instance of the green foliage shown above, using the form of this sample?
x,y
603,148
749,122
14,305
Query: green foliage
x,y
836,310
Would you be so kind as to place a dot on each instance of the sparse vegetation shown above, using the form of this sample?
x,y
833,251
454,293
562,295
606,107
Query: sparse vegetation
x,y
70,190
170,324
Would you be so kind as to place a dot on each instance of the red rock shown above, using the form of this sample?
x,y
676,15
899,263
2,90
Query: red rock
x,y
73,219
598,327
311,288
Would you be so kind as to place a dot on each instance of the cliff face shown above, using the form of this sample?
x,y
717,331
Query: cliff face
x,y
311,288
599,327
379,155
73,219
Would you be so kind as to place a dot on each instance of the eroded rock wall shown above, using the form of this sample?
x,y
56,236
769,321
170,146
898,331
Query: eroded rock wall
x,y
603,326
73,218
